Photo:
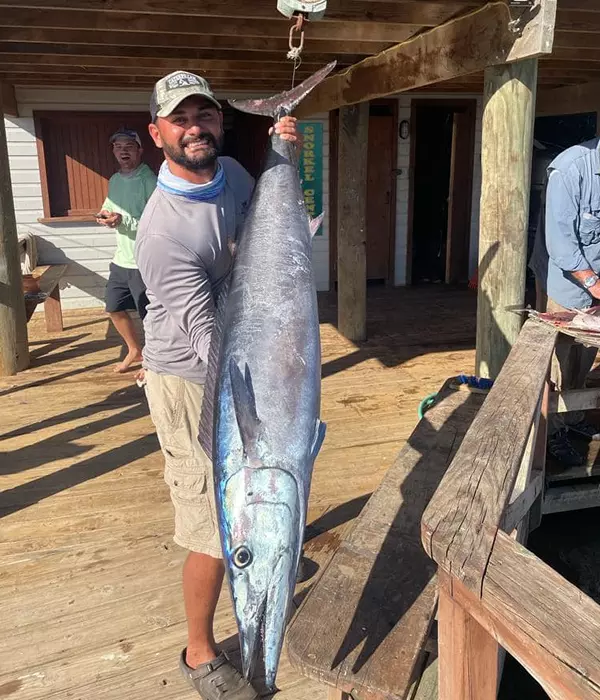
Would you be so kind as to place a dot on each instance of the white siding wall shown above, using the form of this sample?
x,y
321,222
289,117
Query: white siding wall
x,y
402,193
87,247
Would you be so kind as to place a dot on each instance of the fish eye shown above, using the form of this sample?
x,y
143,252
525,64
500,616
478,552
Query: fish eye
x,y
242,557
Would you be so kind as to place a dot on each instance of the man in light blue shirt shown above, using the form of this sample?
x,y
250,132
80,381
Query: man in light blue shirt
x,y
566,262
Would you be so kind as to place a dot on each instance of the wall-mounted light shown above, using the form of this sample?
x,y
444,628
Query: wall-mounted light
x,y
404,129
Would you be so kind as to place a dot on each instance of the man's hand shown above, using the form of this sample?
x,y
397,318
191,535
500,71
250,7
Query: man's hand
x,y
108,218
287,129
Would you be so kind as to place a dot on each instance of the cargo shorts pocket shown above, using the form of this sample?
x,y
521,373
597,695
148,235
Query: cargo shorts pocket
x,y
193,502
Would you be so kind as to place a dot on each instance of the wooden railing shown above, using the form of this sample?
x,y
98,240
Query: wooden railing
x,y
493,592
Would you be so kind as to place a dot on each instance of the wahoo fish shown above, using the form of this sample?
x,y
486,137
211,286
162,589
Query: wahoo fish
x,y
262,395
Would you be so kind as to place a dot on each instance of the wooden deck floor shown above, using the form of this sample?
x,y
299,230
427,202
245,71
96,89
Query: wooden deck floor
x,y
90,603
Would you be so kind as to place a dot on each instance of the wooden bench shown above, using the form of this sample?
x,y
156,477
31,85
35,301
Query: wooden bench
x,y
364,626
48,278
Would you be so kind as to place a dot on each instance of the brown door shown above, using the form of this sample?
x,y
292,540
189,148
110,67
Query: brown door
x,y
381,191
459,196
380,183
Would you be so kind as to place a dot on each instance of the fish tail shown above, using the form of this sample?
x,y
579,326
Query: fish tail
x,y
284,103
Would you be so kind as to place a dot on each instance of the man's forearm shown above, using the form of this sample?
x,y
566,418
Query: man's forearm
x,y
582,275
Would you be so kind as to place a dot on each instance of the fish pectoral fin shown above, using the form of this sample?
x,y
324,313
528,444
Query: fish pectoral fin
x,y
244,402
319,436
315,224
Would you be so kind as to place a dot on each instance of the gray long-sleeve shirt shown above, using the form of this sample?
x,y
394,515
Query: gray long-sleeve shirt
x,y
571,230
183,256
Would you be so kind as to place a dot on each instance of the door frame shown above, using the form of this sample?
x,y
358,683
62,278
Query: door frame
x,y
333,185
470,106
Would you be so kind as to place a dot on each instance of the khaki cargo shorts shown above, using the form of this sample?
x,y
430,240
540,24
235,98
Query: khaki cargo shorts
x,y
175,406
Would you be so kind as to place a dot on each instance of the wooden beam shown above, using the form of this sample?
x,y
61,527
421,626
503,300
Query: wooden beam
x,y
199,24
183,41
462,519
8,100
37,61
574,400
243,74
507,143
14,348
423,12
352,222
576,40
577,21
464,45
572,99
546,623
220,85
468,655
176,54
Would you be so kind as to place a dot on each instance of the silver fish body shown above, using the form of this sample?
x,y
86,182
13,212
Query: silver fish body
x,y
266,431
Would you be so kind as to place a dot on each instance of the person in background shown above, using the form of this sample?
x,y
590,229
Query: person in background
x,y
566,262
129,189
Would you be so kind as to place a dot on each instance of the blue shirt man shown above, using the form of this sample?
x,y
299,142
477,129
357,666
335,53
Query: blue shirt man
x,y
566,262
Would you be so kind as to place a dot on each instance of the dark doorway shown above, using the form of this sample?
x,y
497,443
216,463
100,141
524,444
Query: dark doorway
x,y
443,134
246,138
381,192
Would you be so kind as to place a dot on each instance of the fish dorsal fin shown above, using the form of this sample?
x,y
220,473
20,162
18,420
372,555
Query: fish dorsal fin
x,y
244,402
284,103
315,224
319,436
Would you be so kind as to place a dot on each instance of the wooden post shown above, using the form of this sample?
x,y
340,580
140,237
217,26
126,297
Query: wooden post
x,y
506,154
14,350
468,655
352,223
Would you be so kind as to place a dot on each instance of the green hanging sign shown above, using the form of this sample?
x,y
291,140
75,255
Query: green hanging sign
x,y
311,168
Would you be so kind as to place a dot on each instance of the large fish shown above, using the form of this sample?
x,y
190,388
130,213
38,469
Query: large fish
x,y
264,378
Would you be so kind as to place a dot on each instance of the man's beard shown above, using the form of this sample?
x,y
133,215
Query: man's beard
x,y
199,161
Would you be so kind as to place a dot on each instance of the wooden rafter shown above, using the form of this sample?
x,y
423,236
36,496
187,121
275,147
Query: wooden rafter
x,y
572,99
158,41
422,12
381,32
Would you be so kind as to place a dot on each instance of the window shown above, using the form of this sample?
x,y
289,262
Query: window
x,y
76,160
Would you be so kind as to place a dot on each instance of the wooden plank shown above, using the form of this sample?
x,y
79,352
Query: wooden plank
x,y
461,46
29,61
177,55
198,24
460,524
574,400
507,143
8,100
424,12
281,72
546,623
53,311
333,47
468,655
375,601
352,221
14,351
561,499
571,99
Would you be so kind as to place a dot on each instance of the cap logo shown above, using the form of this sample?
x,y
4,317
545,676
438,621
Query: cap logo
x,y
182,80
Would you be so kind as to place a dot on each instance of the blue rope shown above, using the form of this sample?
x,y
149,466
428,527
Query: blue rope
x,y
471,381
